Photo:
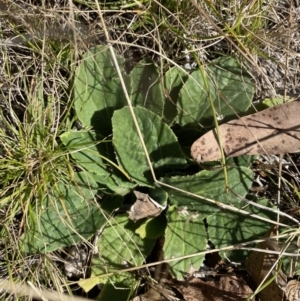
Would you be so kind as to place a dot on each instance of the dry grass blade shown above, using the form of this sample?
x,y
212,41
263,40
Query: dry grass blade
x,y
38,294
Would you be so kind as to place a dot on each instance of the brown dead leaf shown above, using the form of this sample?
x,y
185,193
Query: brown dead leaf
x,y
157,294
292,290
259,264
144,207
228,288
272,131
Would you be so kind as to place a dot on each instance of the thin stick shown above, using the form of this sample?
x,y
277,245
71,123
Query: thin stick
x,y
223,206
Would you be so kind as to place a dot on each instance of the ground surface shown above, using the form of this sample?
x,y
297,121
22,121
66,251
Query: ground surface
x,y
46,41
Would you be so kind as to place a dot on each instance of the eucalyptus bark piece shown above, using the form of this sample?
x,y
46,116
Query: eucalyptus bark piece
x,y
272,131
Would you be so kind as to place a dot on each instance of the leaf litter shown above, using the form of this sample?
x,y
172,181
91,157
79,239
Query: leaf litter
x,y
261,265
272,131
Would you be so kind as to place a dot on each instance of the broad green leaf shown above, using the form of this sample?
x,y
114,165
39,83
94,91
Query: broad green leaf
x,y
226,228
239,161
230,87
185,235
186,137
174,79
152,228
88,283
69,214
245,161
98,91
89,152
110,202
161,143
159,196
210,184
119,247
266,104
270,103
118,287
146,90
87,149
